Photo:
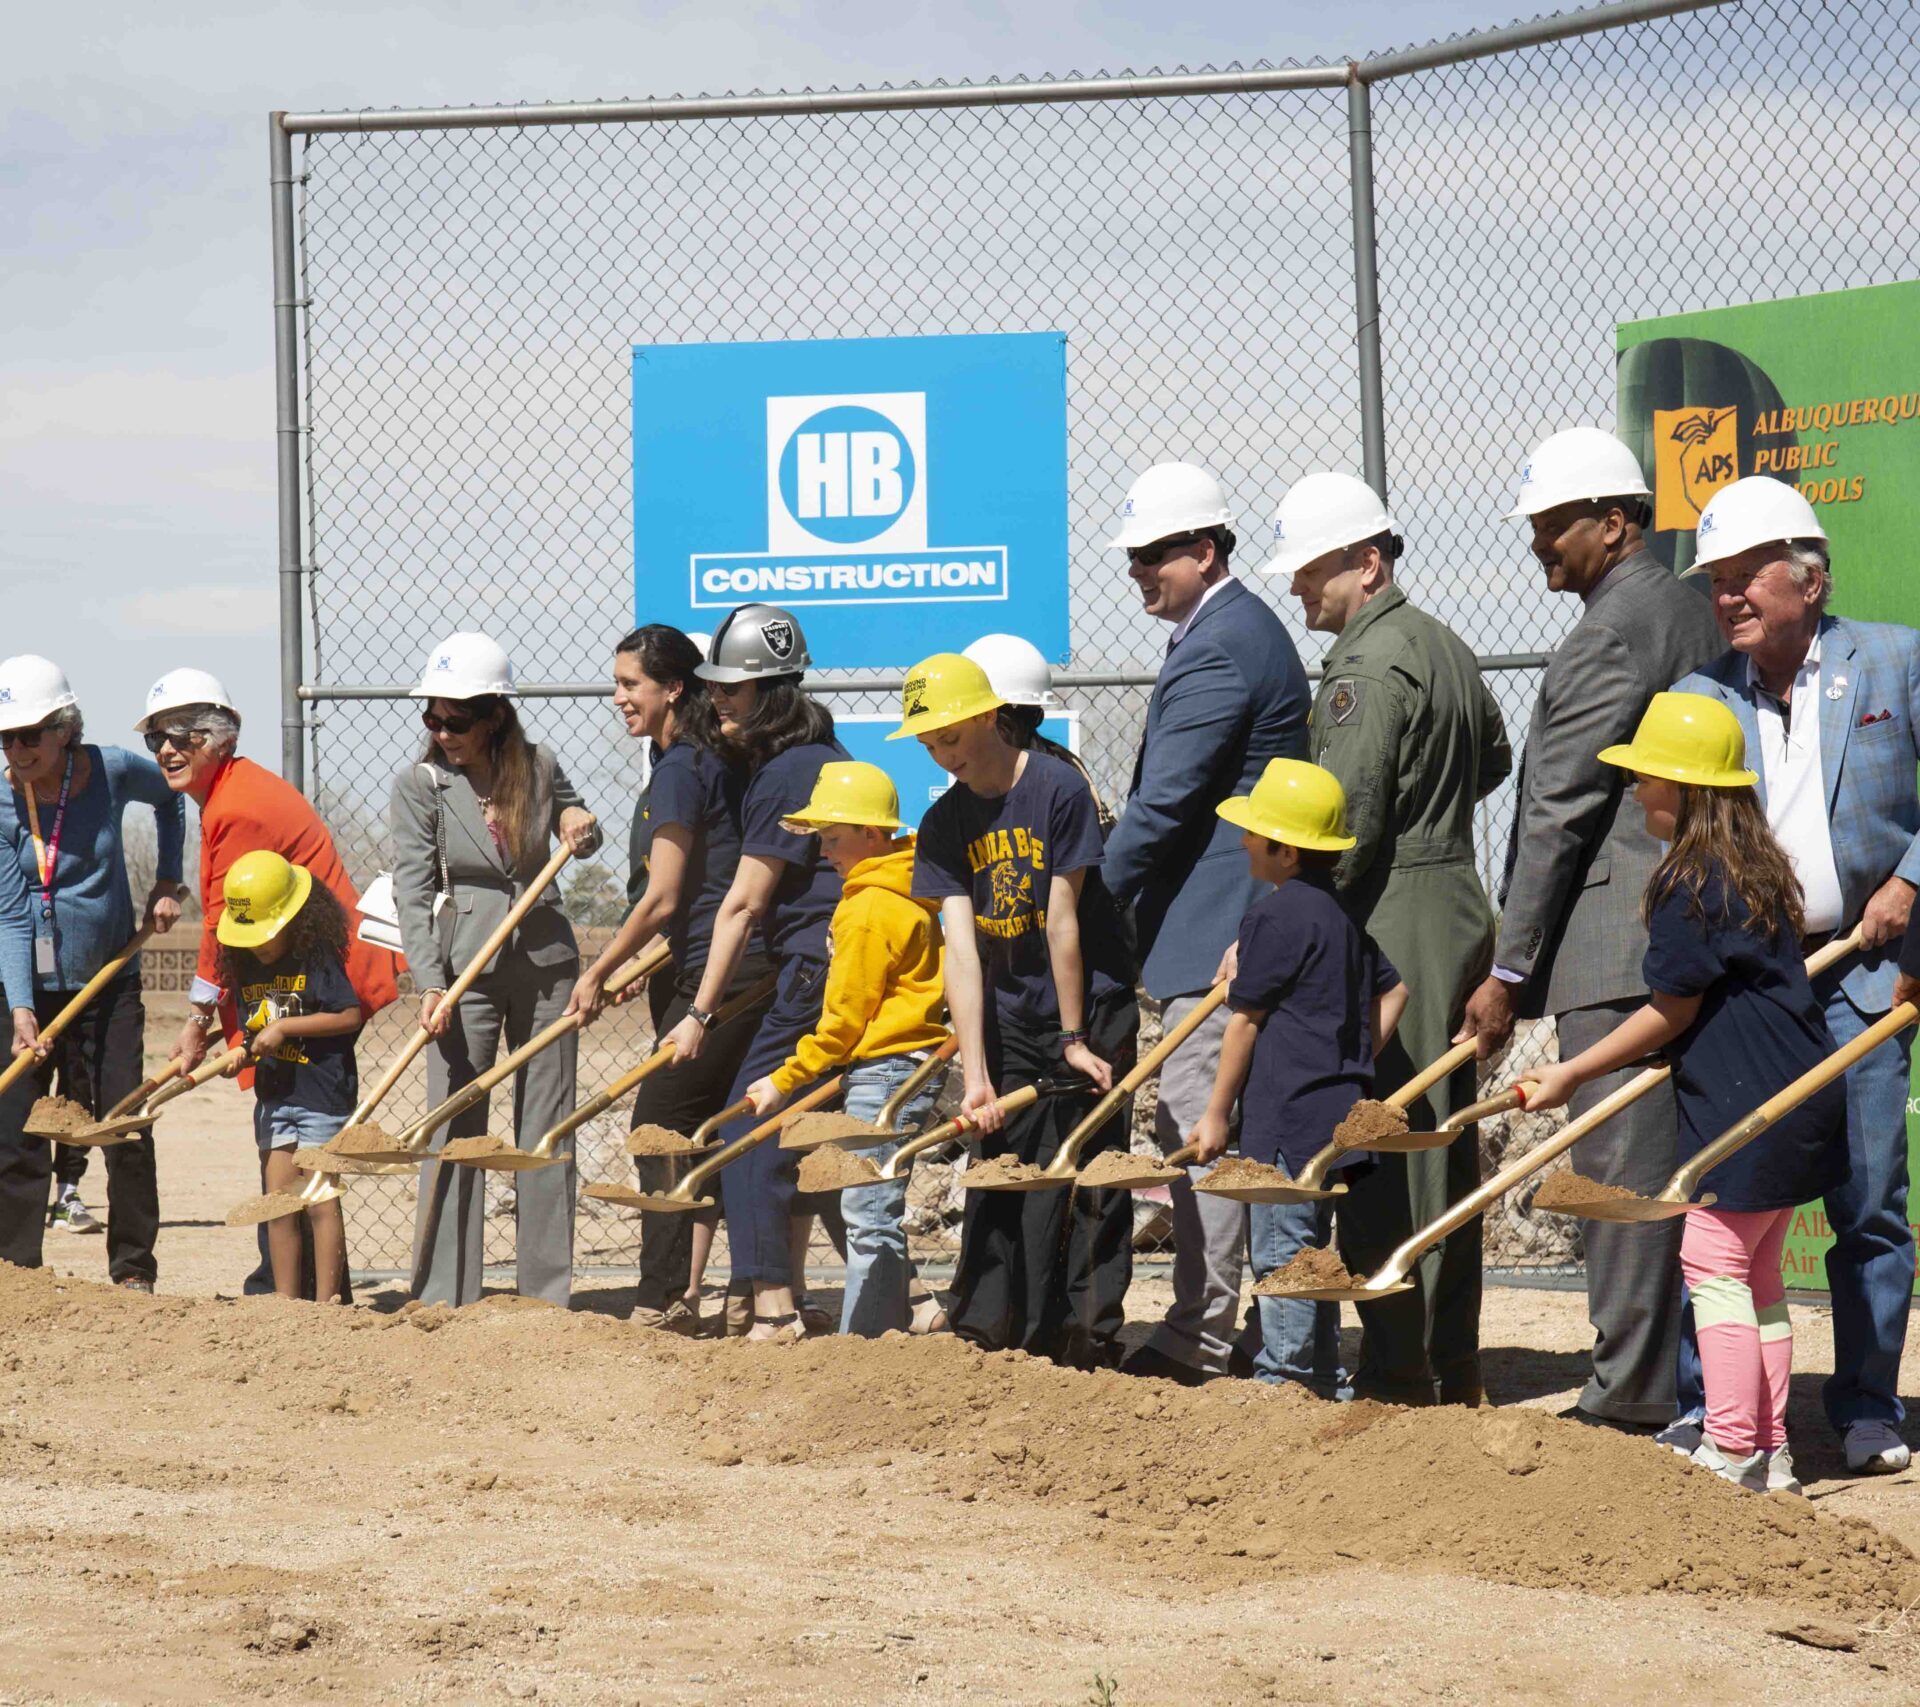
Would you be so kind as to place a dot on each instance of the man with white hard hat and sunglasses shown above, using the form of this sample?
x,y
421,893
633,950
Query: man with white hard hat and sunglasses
x,y
1230,696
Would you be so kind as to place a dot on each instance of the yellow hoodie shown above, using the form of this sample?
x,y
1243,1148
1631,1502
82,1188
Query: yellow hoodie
x,y
885,993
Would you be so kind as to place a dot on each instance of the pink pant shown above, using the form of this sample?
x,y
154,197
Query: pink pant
x,y
1732,1264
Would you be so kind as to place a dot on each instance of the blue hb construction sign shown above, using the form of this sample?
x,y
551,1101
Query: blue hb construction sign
x,y
862,483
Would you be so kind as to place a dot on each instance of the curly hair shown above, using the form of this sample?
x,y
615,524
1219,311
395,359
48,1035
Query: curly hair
x,y
319,927
1723,832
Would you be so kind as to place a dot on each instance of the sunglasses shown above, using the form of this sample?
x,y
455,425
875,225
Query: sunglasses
x,y
28,738
1152,556
458,723
186,740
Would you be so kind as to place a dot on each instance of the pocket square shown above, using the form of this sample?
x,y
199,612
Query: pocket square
x,y
1873,717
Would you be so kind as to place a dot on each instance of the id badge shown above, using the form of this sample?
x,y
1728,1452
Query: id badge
x,y
43,957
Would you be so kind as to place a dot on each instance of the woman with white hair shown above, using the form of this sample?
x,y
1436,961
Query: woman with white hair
x,y
65,911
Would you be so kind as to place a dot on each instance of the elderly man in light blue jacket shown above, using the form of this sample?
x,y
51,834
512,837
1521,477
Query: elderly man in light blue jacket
x,y
1831,712
1230,696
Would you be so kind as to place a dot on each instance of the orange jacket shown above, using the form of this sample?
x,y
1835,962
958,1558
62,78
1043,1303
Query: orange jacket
x,y
249,808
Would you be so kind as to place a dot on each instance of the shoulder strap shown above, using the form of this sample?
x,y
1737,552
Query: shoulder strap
x,y
438,787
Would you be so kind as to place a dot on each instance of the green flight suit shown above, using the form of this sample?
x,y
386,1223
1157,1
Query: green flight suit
x,y
1404,719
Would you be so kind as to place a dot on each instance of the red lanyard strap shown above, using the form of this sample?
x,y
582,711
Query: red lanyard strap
x,y
46,856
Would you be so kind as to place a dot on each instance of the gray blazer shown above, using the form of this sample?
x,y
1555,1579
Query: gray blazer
x,y
483,889
1580,856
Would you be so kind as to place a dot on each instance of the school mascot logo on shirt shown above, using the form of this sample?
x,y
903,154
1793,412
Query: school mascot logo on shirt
x,y
1011,859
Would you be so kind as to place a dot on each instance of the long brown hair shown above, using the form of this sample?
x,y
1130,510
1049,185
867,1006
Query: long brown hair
x,y
511,754
320,926
1723,832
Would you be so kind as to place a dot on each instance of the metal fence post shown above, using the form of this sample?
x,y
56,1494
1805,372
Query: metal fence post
x,y
286,390
1366,283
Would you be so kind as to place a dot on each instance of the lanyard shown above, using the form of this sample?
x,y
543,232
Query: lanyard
x,y
47,854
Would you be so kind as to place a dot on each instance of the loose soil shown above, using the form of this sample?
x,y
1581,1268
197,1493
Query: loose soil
x,y
829,1128
647,1139
1568,1188
252,1211
1316,1267
833,1169
1111,1165
1001,1170
361,1139
53,1117
473,1149
1238,1172
1368,1120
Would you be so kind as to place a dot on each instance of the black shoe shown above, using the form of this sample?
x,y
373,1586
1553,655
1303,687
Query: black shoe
x,y
1619,1425
1240,1364
1156,1365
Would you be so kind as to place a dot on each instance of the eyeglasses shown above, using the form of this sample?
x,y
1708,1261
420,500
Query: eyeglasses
x,y
28,738
1152,556
456,723
185,740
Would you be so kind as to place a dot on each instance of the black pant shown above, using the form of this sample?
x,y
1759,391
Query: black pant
x,y
679,1098
97,1061
1047,1272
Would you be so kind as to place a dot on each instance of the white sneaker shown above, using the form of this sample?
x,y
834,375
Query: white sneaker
x,y
1876,1449
1749,1472
1780,1476
1683,1435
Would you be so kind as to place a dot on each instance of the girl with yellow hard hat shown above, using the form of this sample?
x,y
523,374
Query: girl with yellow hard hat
x,y
1730,1003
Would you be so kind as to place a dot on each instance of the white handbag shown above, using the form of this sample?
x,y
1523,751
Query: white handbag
x,y
379,911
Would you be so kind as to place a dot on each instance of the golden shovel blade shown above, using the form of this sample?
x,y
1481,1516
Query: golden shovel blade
x,y
368,1142
1342,1294
274,1206
628,1198
494,1154
102,1133
1140,1173
1627,1208
1035,1182
810,1131
318,1161
1272,1194
1406,1143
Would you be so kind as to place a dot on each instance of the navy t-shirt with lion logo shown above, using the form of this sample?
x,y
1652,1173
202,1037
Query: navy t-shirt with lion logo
x,y
317,1074
1003,855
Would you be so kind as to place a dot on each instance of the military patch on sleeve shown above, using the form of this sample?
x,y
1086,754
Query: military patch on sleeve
x,y
1344,701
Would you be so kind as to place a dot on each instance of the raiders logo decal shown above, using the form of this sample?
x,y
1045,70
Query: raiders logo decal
x,y
779,638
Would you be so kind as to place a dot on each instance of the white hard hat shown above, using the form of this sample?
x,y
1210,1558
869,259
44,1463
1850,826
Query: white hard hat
x,y
703,641
1758,510
1322,513
179,688
1171,498
1017,669
465,666
32,689
753,642
1581,463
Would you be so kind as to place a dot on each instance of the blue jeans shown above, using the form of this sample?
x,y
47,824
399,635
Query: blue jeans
x,y
1870,1266
875,1300
1299,1337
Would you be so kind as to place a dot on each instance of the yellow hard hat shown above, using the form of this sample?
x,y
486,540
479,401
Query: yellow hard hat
x,y
849,792
942,690
1296,803
1687,737
263,891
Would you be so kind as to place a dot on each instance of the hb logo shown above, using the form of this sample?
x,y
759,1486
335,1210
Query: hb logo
x,y
847,470
6,696
1696,451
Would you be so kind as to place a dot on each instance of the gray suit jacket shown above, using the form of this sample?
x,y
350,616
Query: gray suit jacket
x,y
1580,856
483,888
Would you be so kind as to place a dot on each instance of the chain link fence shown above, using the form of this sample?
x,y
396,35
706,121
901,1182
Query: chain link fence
x,y
469,294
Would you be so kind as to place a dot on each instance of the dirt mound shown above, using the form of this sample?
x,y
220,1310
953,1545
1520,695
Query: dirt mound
x,y
1112,1165
1315,1267
1001,1170
1239,1173
1368,1120
647,1139
832,1128
1206,1486
833,1169
55,1117
1569,1188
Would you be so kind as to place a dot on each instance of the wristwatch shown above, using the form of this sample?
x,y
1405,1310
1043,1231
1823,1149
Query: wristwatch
x,y
700,1016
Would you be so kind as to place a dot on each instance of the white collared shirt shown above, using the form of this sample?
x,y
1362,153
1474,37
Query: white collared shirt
x,y
1192,616
1797,787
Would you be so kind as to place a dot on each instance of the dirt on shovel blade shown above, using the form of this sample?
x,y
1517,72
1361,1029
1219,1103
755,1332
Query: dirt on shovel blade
x,y
1239,1173
1112,1165
650,1140
1368,1120
55,1117
366,1139
828,1129
1314,1269
832,1169
474,1149
1565,1190
268,1208
1001,1170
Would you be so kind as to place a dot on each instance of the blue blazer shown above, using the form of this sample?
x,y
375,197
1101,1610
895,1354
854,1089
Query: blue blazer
x,y
1868,754
1231,696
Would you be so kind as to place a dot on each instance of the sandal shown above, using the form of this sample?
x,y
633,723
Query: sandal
x,y
927,1317
789,1328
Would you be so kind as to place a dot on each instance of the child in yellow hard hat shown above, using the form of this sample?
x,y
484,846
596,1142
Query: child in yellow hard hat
x,y
1040,986
878,1018
1312,1001
1734,1010
283,946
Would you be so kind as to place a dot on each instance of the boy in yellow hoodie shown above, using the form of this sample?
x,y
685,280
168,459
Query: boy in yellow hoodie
x,y
880,1014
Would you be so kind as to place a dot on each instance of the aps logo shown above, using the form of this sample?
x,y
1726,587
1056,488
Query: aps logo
x,y
1696,451
847,470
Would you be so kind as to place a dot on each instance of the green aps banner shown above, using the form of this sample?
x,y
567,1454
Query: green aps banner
x,y
1821,391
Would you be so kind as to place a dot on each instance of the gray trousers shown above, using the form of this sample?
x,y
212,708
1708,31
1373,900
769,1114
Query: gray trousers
x,y
1633,1269
449,1236
1210,1233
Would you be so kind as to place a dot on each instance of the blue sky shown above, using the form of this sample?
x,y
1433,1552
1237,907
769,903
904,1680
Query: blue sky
x,y
136,401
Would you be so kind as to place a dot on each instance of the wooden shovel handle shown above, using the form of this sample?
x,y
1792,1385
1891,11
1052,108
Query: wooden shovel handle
x,y
1150,1063
920,1076
701,1172
1424,1080
27,1060
1837,950
1011,1103
214,1067
139,1094
1184,1156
